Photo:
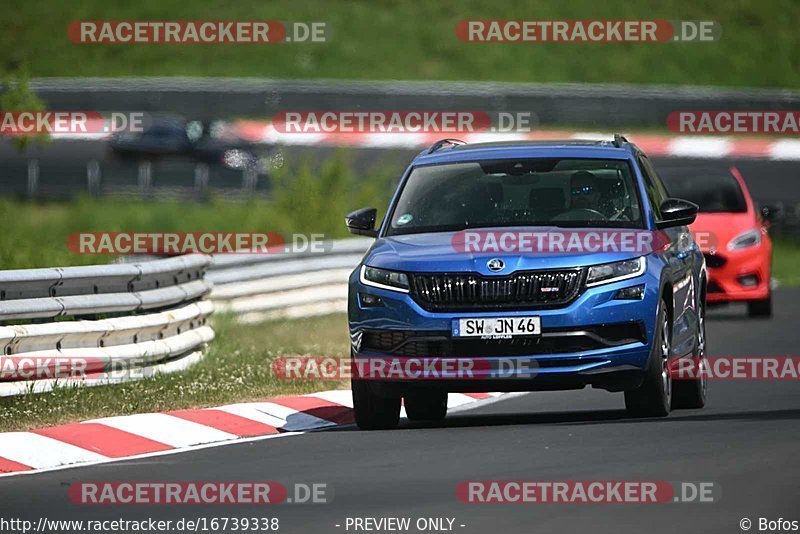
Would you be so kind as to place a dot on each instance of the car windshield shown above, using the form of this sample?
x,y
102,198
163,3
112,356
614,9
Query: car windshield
x,y
570,193
713,193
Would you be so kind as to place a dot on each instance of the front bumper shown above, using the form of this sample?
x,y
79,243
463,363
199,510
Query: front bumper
x,y
730,274
595,340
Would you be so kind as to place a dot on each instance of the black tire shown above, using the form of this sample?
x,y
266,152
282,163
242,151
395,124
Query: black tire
x,y
689,394
426,405
653,398
373,412
760,308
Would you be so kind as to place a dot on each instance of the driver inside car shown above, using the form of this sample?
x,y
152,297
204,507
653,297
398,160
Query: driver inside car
x,y
584,193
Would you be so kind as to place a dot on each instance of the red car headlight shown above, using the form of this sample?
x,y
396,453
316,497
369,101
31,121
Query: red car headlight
x,y
750,238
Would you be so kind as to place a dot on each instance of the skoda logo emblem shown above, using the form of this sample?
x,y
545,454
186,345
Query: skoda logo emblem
x,y
496,265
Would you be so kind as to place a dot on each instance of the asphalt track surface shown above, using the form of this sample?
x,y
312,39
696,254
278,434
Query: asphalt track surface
x,y
745,441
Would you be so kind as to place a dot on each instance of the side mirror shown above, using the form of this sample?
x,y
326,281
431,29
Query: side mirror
x,y
768,213
677,212
362,222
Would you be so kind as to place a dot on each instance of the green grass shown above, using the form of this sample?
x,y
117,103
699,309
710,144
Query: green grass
x,y
237,368
786,261
390,39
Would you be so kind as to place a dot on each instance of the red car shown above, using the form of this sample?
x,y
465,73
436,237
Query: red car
x,y
732,234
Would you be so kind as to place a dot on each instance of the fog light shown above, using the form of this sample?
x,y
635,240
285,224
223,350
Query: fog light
x,y
749,280
630,293
369,301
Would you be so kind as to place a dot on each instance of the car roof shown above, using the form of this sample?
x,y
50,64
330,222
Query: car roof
x,y
525,149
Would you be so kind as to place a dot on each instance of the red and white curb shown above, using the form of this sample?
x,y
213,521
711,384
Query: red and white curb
x,y
149,434
662,145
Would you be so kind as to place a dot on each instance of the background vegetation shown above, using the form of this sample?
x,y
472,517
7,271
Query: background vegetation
x,y
391,39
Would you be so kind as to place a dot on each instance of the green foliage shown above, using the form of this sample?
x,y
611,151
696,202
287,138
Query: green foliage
x,y
786,261
15,95
314,198
304,199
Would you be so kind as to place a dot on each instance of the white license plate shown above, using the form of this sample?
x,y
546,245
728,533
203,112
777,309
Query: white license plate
x,y
497,327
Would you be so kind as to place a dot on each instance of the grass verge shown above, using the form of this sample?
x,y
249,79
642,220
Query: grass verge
x,y
237,368
786,261
416,40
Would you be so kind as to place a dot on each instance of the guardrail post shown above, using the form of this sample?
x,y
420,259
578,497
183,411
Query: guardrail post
x,y
200,177
145,176
93,177
33,177
249,178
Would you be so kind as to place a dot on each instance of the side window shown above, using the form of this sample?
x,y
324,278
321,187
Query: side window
x,y
655,189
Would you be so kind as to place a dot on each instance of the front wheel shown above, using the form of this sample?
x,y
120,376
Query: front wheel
x,y
426,405
373,412
654,396
760,308
691,392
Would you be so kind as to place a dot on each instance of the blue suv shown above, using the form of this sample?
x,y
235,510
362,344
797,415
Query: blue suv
x,y
474,264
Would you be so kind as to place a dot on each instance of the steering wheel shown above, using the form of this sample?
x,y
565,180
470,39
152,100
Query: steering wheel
x,y
580,214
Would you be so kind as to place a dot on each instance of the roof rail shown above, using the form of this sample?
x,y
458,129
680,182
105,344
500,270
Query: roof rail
x,y
442,142
618,140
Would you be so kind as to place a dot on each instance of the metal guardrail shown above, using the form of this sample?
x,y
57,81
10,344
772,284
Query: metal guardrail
x,y
156,322
613,105
96,289
48,176
158,310
257,287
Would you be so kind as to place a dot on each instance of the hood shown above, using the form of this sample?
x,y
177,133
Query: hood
x,y
435,252
716,230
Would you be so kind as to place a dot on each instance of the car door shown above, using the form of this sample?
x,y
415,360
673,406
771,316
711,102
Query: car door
x,y
681,256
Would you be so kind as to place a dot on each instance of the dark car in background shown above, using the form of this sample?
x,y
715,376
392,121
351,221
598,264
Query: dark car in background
x,y
166,135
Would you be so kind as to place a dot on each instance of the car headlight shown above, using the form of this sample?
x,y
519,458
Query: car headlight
x,y
384,279
606,273
747,239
